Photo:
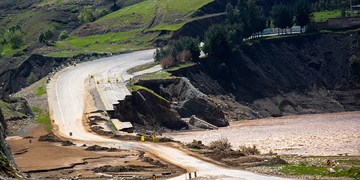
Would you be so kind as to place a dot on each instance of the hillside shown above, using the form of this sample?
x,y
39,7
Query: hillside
x,y
135,27
293,75
137,24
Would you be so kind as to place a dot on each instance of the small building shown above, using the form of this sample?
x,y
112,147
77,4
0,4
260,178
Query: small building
x,y
123,126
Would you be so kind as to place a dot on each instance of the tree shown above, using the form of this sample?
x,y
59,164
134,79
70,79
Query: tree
x,y
45,36
16,40
63,35
86,16
302,13
2,34
216,41
256,19
282,16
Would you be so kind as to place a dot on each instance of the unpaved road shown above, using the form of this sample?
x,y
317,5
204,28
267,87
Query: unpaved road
x,y
66,96
319,134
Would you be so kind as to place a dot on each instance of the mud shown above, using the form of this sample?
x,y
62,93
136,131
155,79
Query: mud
x,y
319,135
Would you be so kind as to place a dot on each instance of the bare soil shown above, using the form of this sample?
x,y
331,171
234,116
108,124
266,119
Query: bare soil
x,y
49,160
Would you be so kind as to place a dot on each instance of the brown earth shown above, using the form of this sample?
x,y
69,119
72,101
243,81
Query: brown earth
x,y
46,160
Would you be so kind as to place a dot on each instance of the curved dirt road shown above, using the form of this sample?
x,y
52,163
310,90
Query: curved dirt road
x,y
66,96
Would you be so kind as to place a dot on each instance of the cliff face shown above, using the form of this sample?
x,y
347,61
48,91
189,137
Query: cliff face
x,y
148,112
7,163
295,75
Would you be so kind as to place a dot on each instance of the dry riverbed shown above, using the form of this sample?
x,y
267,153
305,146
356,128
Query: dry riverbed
x,y
321,134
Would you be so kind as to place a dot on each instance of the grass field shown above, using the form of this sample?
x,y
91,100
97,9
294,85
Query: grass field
x,y
323,16
129,27
40,91
42,117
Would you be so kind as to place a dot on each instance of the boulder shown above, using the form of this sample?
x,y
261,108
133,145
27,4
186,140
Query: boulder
x,y
203,109
150,111
201,123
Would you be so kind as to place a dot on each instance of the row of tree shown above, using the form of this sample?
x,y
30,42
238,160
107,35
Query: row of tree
x,y
285,17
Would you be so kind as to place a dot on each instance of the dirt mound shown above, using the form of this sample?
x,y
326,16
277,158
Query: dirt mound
x,y
100,148
51,137
108,168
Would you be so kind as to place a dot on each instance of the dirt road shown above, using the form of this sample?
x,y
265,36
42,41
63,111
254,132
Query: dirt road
x,y
66,94
321,134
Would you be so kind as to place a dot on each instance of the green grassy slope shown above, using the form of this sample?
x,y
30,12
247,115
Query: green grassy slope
x,y
131,28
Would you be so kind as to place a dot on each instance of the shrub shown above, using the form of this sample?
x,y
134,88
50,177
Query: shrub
x,y
167,62
86,16
249,150
184,56
45,36
354,60
31,78
196,145
63,35
220,145
183,49
100,13
16,40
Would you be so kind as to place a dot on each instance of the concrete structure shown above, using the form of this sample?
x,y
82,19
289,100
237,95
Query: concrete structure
x,y
197,122
123,126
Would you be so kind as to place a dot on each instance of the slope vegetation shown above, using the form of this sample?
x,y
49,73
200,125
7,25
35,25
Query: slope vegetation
x,y
133,27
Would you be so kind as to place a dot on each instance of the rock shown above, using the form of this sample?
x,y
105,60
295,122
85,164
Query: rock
x,y
148,110
50,137
201,123
8,166
331,170
203,109
67,143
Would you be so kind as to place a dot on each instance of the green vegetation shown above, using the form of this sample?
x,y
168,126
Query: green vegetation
x,y
40,91
305,169
142,67
45,36
178,51
88,15
42,117
323,16
110,42
137,87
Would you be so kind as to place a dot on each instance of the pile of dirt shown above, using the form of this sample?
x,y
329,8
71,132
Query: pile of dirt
x,y
149,111
51,137
100,148
292,75
108,168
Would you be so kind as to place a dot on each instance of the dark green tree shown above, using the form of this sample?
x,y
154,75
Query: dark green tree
x,y
2,35
45,36
216,41
302,13
282,16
